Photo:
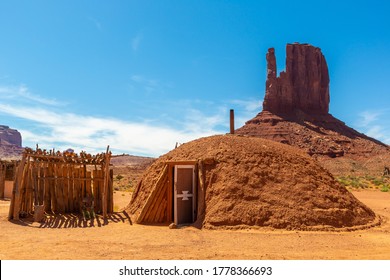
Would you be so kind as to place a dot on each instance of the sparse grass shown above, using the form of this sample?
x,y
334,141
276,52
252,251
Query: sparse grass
x,y
385,188
365,182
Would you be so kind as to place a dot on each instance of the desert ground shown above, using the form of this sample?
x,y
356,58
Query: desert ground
x,y
68,237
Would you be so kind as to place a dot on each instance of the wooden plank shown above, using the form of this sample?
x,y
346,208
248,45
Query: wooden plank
x,y
95,189
106,179
156,208
47,195
163,214
15,201
53,197
110,201
69,185
76,190
152,194
65,187
181,162
3,169
201,190
88,183
170,195
159,204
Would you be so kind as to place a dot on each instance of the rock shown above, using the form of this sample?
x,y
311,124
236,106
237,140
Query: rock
x,y
172,226
10,136
304,86
10,143
296,110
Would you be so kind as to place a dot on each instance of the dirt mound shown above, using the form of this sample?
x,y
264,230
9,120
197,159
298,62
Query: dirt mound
x,y
255,182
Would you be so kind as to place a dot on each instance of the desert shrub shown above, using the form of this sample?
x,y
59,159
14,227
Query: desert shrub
x,y
385,188
378,181
119,177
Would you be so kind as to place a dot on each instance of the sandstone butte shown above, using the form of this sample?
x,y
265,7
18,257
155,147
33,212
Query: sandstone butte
x,y
10,143
296,112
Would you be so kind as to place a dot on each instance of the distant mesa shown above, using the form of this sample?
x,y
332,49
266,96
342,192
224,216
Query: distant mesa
x,y
10,143
9,136
296,109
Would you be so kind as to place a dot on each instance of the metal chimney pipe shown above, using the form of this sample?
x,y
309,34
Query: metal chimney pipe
x,y
231,121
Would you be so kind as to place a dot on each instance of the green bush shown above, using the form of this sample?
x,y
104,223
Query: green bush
x,y
385,188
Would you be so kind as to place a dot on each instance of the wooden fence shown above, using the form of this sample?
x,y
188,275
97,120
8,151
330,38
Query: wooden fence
x,y
7,170
60,182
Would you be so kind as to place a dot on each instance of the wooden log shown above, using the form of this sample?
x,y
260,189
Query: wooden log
x,y
106,179
159,205
52,186
69,186
152,195
47,190
3,169
201,196
156,205
95,189
76,190
170,195
40,184
15,201
110,207
163,213
82,184
88,184
35,183
65,188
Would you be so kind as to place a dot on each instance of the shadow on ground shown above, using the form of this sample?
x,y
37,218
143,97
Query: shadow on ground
x,y
75,221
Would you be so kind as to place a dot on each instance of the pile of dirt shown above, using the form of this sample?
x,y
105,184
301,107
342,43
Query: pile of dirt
x,y
255,182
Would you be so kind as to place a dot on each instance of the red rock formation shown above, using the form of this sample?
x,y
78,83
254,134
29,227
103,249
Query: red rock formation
x,y
296,105
304,86
9,136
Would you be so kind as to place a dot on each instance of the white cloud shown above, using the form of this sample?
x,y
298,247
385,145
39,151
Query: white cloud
x,y
374,124
367,117
51,129
22,93
54,127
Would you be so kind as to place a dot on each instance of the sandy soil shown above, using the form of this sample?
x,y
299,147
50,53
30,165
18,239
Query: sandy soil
x,y
69,238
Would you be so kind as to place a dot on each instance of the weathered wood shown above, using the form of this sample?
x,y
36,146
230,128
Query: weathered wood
x,y
170,195
60,186
163,213
152,194
65,189
111,193
52,186
15,201
106,179
39,213
201,190
159,204
150,216
3,170
181,162
96,191
77,191
46,188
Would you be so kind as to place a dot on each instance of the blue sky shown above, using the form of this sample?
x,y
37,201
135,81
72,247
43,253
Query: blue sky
x,y
142,75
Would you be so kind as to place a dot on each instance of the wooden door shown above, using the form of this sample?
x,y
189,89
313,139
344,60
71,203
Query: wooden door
x,y
184,200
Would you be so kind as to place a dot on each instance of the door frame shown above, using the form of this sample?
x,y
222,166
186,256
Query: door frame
x,y
193,194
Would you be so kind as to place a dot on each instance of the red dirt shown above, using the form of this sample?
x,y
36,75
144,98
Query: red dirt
x,y
256,182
